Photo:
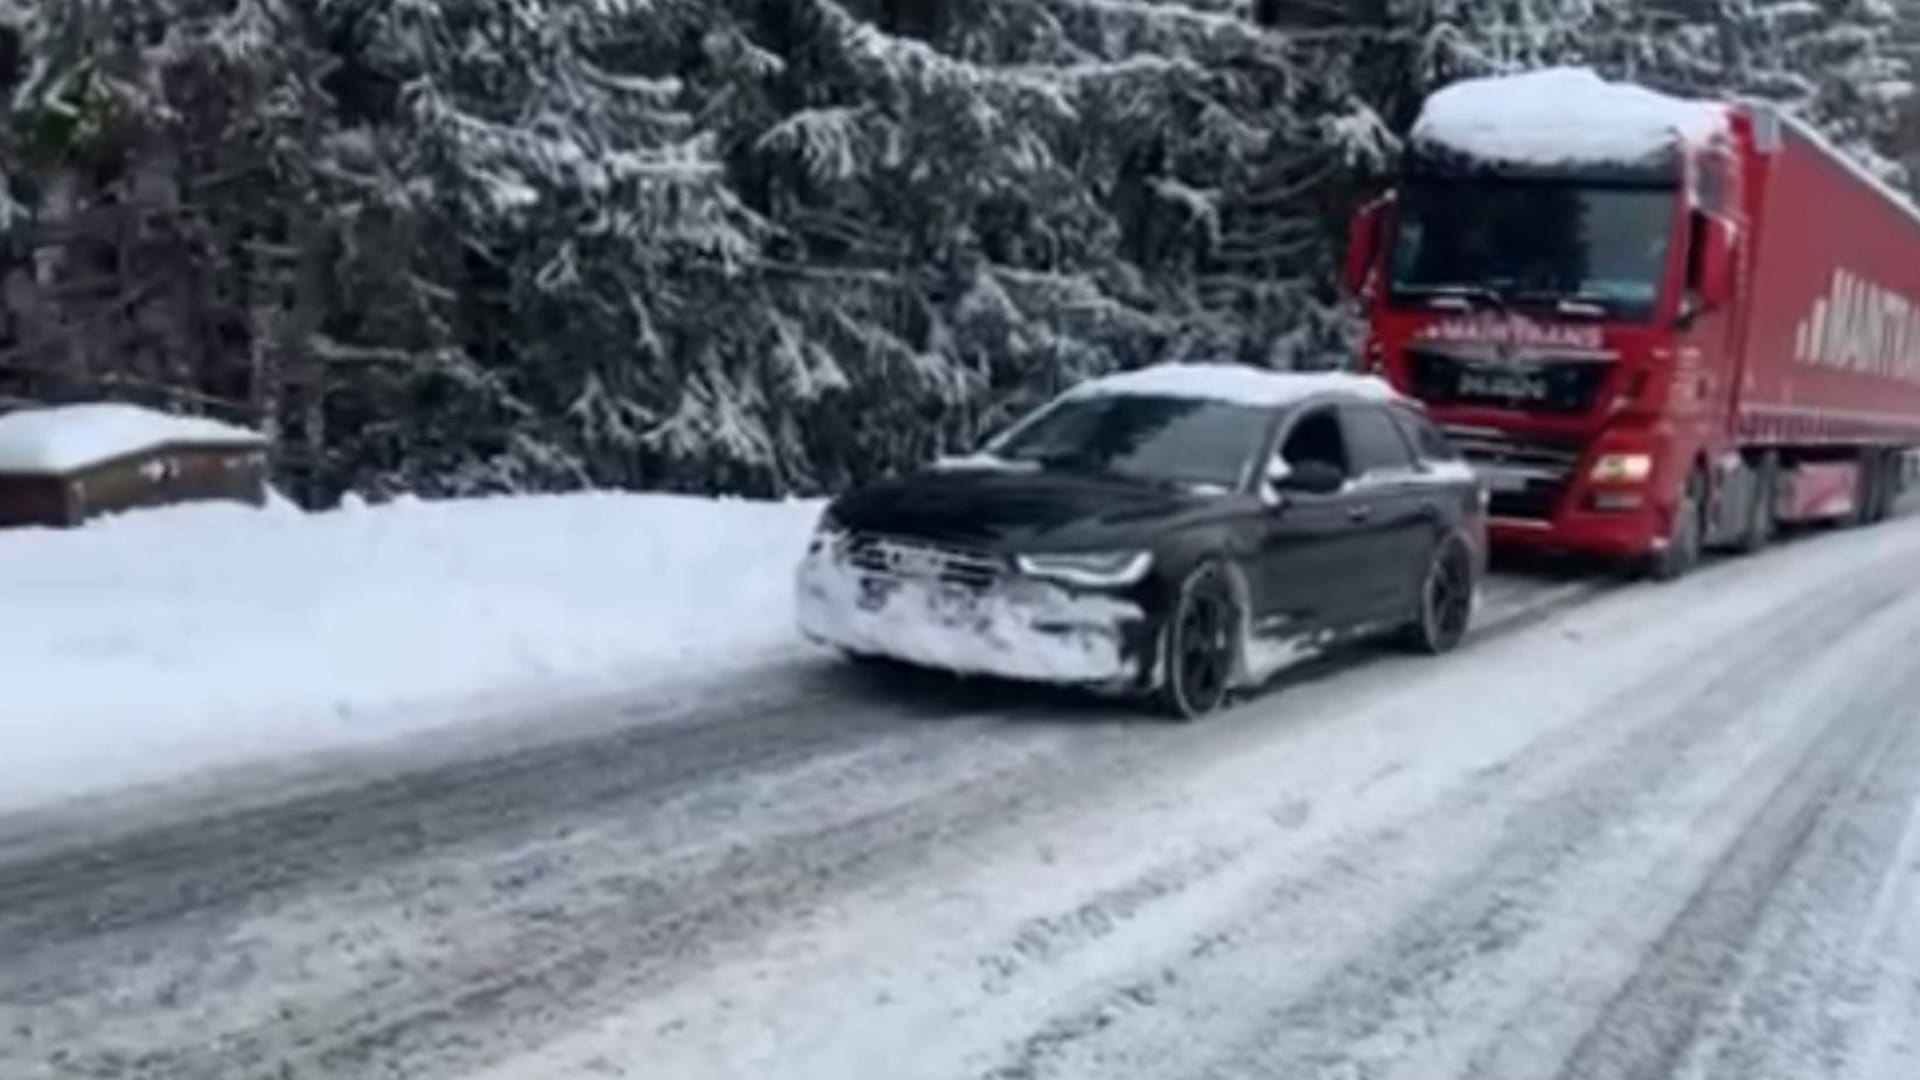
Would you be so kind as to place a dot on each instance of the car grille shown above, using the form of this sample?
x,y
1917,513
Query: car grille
x,y
1543,465
892,557
1562,385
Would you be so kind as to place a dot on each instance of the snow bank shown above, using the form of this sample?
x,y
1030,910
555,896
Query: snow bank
x,y
1237,383
63,438
150,645
1562,116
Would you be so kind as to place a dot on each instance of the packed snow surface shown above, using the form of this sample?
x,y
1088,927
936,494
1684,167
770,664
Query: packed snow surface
x,y
1236,383
154,644
1560,116
1635,831
63,438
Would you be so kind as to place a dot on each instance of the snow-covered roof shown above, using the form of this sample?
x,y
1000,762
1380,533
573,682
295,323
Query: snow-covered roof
x,y
1236,383
66,438
1563,116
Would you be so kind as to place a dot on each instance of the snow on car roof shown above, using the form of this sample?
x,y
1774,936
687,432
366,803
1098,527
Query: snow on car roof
x,y
64,438
1235,383
1563,115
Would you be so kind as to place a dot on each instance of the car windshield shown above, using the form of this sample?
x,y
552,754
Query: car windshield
x,y
1164,439
1566,245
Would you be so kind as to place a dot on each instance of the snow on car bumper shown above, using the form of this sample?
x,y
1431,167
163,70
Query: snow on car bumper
x,y
1018,628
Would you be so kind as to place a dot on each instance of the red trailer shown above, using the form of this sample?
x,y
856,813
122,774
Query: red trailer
x,y
1655,325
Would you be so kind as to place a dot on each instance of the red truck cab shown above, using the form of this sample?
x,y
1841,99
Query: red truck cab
x,y
1621,307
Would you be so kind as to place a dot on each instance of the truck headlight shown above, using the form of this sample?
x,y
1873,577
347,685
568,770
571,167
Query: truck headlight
x,y
1094,569
1622,468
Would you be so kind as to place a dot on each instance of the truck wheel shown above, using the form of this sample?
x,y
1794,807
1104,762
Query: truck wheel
x,y
1446,600
1682,552
1760,521
1202,642
1879,486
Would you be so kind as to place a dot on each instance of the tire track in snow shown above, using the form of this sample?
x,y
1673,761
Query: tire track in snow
x,y
1620,752
429,922
304,919
1772,968
1237,899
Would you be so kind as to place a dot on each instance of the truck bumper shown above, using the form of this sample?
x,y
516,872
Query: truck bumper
x,y
1558,504
1610,534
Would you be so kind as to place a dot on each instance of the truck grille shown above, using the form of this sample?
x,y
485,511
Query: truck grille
x,y
901,559
1526,475
1545,384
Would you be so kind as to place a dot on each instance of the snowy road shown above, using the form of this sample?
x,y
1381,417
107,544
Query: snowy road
x,y
1654,832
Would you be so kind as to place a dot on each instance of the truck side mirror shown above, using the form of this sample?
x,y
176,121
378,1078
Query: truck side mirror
x,y
1716,261
1363,245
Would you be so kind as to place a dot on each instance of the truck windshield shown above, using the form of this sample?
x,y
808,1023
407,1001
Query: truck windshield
x,y
1573,247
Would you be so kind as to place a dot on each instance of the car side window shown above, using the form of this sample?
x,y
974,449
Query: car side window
x,y
1427,440
1316,436
1375,441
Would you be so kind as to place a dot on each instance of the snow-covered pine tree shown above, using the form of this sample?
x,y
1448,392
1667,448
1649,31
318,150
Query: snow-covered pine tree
x,y
194,227
1855,81
590,236
1832,62
991,197
1444,40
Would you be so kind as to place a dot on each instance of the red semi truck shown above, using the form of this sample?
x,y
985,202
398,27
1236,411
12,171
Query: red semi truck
x,y
1654,325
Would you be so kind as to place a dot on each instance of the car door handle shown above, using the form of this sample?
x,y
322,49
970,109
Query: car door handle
x,y
1359,513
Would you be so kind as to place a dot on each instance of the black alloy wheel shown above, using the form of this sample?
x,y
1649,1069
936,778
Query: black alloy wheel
x,y
1446,600
1202,644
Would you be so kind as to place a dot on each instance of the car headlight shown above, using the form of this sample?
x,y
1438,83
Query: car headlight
x,y
826,531
1095,569
1622,468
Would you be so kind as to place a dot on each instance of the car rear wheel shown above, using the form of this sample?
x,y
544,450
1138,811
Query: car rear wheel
x,y
1446,600
1202,644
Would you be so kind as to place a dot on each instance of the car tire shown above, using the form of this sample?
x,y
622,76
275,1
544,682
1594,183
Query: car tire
x,y
1446,600
1202,644
1684,544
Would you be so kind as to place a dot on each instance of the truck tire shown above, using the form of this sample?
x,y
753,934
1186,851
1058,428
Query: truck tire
x,y
1760,520
1685,540
1880,466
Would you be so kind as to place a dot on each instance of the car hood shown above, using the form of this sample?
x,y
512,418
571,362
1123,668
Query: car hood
x,y
1005,509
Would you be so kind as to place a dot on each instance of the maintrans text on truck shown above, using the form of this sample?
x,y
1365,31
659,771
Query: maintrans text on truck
x,y
1654,325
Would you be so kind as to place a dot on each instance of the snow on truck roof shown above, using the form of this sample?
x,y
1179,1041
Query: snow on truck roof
x,y
1234,383
64,438
1562,116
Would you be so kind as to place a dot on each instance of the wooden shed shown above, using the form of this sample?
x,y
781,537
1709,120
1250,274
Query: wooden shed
x,y
62,465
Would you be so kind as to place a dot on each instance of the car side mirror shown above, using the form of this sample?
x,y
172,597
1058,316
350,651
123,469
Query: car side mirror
x,y
1716,265
1307,477
1363,245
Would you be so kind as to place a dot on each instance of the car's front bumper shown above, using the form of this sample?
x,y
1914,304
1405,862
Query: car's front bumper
x,y
1018,628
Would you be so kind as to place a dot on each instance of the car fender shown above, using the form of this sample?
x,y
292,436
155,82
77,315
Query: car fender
x,y
1181,556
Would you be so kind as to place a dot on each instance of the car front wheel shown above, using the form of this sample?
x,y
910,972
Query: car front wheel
x,y
1202,643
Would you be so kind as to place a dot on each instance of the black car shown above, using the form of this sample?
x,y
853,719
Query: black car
x,y
1181,530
